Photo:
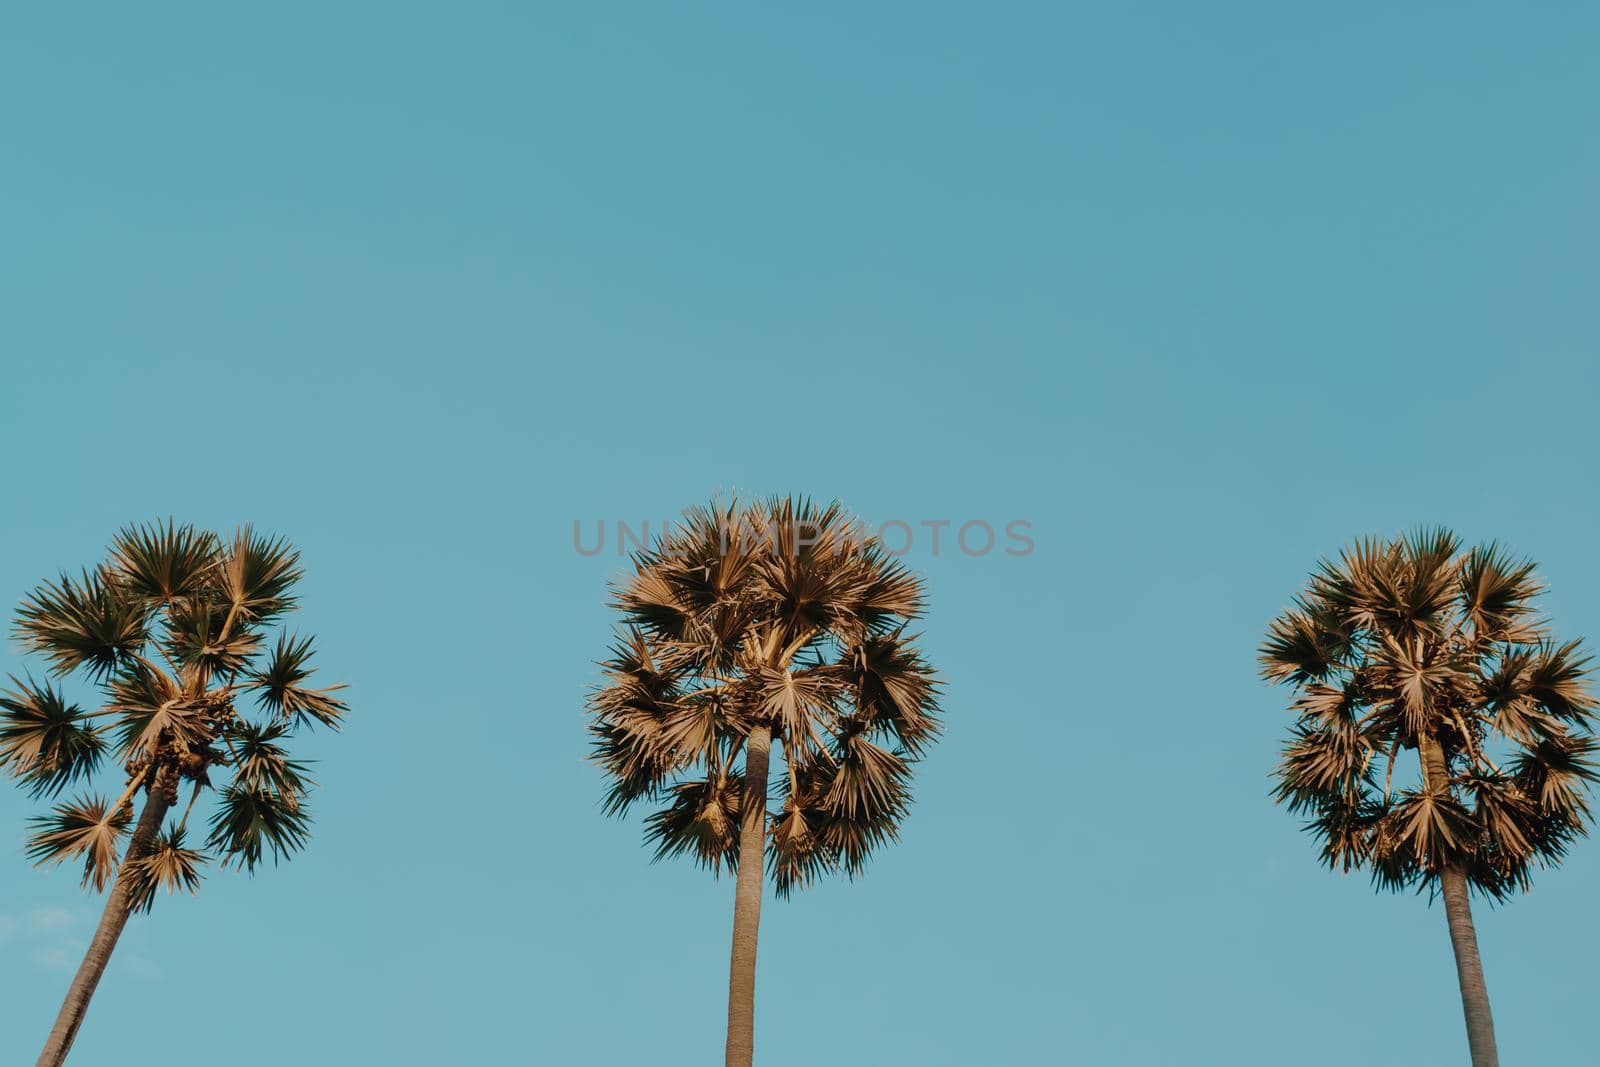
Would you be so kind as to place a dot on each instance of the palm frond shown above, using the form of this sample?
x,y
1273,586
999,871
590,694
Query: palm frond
x,y
792,699
251,824
262,764
44,741
82,623
1504,693
864,781
894,689
1322,765
851,801
168,866
796,855
163,563
1350,592
198,635
701,821
1304,644
691,730
1556,773
890,594
256,575
630,752
653,603
1428,826
1327,706
1505,815
629,716
1346,823
155,712
280,689
1423,677
81,828
853,841
1497,593
1557,680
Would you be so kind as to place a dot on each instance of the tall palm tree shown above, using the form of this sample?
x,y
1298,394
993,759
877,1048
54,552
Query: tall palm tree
x,y
777,621
172,629
1413,646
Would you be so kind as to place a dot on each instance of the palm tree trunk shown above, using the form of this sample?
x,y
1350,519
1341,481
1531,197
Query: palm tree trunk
x,y
1463,936
747,900
1469,970
112,920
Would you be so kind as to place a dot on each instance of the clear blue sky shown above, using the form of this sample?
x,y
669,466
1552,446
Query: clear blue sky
x,y
1201,291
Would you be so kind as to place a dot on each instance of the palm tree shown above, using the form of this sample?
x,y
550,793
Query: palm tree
x,y
1415,645
172,629
743,626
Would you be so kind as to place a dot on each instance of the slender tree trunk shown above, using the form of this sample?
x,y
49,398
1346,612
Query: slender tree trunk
x,y
1463,936
112,920
1469,970
747,900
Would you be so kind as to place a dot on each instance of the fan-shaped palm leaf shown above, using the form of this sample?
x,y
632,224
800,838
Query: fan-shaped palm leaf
x,y
167,866
164,563
1497,594
895,689
262,763
81,828
700,821
44,741
257,574
204,635
250,824
155,712
279,687
83,623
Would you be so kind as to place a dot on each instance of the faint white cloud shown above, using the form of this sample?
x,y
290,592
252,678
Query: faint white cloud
x,y
134,957
61,956
143,968
46,935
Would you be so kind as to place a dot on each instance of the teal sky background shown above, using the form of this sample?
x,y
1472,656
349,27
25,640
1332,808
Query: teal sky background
x,y
1200,291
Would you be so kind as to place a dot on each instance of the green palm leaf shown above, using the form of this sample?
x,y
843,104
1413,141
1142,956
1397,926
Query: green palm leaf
x,y
251,824
280,689
256,575
205,634
262,763
164,563
44,741
84,623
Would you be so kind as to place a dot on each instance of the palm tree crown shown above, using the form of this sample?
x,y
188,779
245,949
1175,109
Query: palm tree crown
x,y
778,617
1415,645
173,629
